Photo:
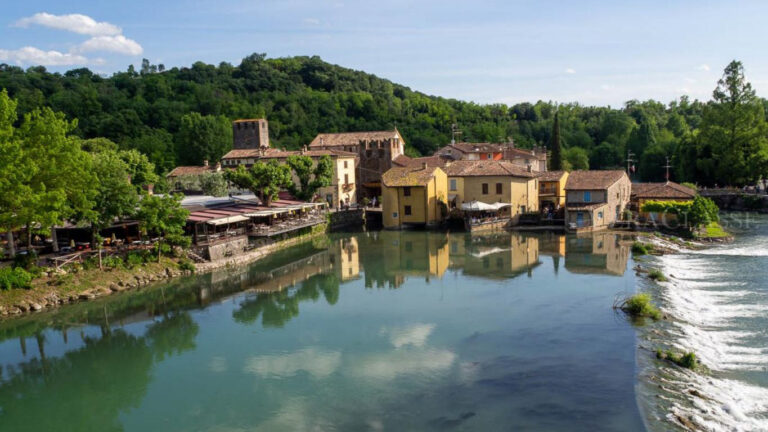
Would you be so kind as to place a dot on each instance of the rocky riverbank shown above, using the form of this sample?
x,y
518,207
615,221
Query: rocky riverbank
x,y
59,288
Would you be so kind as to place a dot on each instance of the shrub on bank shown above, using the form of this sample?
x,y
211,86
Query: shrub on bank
x,y
15,277
186,264
687,360
639,305
657,275
640,248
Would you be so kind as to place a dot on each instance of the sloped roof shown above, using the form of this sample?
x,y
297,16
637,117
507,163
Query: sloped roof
x,y
408,176
512,153
273,153
551,175
591,180
190,170
474,168
479,147
405,161
667,190
351,138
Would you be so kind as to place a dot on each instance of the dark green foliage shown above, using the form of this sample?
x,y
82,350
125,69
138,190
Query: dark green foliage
x,y
186,265
640,305
640,248
703,212
556,157
657,275
26,261
687,360
15,277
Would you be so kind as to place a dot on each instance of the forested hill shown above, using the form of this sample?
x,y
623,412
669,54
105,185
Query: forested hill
x,y
182,115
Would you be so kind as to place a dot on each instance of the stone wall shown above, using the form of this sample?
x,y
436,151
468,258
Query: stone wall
x,y
227,249
350,219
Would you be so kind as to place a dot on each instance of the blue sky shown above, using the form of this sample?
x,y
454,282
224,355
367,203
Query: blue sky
x,y
592,52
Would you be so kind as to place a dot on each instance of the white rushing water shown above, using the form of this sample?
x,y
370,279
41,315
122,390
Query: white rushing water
x,y
717,301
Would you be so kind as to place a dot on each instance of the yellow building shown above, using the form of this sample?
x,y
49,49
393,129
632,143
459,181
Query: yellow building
x,y
413,197
552,189
496,256
342,189
490,181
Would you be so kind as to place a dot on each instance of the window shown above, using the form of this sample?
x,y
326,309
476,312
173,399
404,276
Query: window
x,y
406,191
485,188
498,188
599,215
346,178
394,215
490,155
345,164
522,209
453,184
407,210
587,196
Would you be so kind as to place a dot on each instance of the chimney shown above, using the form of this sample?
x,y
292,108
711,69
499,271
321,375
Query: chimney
x,y
218,166
424,165
205,162
321,141
530,168
304,150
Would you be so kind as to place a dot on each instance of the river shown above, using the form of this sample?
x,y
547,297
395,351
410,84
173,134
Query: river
x,y
366,331
717,301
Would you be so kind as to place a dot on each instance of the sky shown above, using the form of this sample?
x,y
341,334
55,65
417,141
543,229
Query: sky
x,y
591,52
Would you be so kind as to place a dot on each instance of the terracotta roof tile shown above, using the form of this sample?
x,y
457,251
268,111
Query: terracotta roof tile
x,y
466,168
351,138
668,190
432,161
551,175
190,170
592,180
408,176
273,153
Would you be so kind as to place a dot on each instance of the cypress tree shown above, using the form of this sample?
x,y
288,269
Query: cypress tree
x,y
556,158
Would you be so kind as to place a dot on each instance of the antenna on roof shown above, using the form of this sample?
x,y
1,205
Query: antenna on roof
x,y
630,168
667,166
454,131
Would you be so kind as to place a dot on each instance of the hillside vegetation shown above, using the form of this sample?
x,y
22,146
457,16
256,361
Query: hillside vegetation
x,y
182,116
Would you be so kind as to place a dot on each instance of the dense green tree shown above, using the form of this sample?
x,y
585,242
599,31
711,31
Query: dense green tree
x,y
312,176
203,137
652,164
116,197
556,157
213,184
162,216
265,180
576,158
733,130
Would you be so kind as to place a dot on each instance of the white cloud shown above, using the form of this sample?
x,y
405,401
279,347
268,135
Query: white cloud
x,y
570,71
703,67
76,23
415,335
36,56
317,363
117,44
403,362
312,21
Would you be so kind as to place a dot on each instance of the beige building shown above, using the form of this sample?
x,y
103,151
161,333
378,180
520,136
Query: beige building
x,y
491,181
342,190
597,253
552,189
595,199
413,196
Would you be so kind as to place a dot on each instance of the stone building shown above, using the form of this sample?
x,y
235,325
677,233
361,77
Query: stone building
x,y
376,152
413,197
595,199
250,134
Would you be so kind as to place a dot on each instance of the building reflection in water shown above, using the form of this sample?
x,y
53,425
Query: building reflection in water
x,y
495,256
597,253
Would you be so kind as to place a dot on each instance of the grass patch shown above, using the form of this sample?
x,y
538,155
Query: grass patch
x,y
657,275
686,360
640,248
640,305
714,230
186,264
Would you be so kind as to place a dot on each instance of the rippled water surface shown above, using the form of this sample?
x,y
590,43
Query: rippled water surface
x,y
717,300
371,331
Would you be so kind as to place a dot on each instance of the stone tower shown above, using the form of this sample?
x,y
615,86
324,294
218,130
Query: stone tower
x,y
250,134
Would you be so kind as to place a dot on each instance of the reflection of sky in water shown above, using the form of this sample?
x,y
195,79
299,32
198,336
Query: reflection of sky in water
x,y
445,344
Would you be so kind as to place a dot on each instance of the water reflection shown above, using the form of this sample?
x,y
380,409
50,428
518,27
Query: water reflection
x,y
99,357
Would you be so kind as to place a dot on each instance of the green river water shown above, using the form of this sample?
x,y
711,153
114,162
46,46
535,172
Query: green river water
x,y
366,331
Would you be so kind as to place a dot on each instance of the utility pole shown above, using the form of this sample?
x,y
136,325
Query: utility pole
x,y
630,159
667,166
454,131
